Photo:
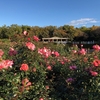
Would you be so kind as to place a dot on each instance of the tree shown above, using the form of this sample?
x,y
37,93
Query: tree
x,y
95,33
3,32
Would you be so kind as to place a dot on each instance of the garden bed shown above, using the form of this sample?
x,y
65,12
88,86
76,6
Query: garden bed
x,y
31,70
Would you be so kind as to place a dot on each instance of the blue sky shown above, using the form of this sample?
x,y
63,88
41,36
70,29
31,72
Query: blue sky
x,y
50,12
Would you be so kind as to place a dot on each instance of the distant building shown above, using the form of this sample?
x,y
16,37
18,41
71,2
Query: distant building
x,y
55,40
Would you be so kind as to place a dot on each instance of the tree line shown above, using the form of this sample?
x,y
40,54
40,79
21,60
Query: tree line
x,y
75,34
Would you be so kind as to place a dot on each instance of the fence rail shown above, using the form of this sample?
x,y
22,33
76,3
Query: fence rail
x,y
85,42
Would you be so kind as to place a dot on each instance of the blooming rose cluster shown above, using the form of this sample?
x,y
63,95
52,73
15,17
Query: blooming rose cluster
x,y
45,52
96,47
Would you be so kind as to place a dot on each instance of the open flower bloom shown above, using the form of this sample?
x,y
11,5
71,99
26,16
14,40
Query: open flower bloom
x,y
24,67
56,54
25,33
96,62
30,46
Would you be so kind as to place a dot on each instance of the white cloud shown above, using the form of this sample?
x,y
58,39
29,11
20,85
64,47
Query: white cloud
x,y
83,21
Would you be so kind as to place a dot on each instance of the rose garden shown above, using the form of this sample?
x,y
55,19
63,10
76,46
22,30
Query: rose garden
x,y
30,70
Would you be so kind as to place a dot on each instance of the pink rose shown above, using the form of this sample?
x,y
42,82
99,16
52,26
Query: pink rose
x,y
25,33
56,54
30,45
82,51
24,67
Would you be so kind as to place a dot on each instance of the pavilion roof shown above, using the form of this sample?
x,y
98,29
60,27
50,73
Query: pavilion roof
x,y
55,38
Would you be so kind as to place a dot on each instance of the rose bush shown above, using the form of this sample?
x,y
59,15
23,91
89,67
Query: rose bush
x,y
30,71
